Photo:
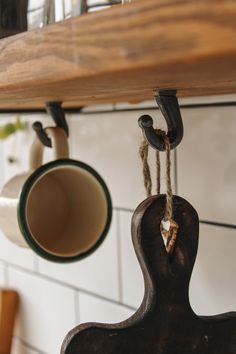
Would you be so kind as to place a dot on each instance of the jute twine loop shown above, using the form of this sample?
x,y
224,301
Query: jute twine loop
x,y
147,180
170,233
169,193
143,151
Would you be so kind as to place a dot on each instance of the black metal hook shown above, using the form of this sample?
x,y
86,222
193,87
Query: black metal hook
x,y
169,106
58,115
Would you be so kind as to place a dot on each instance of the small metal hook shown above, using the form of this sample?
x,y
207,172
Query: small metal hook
x,y
58,115
168,104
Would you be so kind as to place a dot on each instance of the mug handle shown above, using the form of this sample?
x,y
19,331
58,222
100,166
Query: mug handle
x,y
59,145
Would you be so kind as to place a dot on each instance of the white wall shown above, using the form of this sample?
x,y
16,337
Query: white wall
x,y
107,286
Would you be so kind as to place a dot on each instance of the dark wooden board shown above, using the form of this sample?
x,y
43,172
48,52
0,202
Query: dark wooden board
x,y
165,323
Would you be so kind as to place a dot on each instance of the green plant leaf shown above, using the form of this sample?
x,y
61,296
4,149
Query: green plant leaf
x,y
11,128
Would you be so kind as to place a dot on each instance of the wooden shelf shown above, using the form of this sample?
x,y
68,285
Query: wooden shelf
x,y
122,54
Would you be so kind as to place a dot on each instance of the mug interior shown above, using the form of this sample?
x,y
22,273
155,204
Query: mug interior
x,y
66,210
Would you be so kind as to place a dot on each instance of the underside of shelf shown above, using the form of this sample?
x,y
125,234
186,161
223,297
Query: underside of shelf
x,y
122,54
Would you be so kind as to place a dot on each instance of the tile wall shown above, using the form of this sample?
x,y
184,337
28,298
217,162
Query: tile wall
x,y
108,286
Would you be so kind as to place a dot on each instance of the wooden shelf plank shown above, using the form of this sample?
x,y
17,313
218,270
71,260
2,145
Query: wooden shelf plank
x,y
123,54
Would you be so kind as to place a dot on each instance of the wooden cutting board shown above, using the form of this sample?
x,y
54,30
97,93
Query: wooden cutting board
x,y
8,309
165,323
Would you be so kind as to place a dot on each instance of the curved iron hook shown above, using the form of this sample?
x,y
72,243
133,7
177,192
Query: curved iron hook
x,y
57,113
168,104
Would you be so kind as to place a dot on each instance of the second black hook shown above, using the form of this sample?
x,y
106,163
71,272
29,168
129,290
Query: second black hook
x,y
57,113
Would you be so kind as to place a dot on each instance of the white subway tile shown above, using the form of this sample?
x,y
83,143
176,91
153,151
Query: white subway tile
x,y
213,285
92,309
2,274
47,311
97,273
131,274
14,254
68,7
59,15
207,162
182,101
144,104
97,108
110,144
18,146
32,4
19,348
208,99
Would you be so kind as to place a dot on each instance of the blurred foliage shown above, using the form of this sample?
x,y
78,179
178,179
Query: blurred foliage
x,y
11,128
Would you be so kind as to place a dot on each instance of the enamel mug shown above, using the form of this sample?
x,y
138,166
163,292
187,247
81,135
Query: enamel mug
x,y
61,209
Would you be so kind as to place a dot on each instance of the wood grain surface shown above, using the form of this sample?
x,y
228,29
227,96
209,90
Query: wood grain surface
x,y
123,54
8,308
165,322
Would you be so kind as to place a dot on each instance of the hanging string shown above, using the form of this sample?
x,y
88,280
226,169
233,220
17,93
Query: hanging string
x,y
169,233
169,193
143,152
158,172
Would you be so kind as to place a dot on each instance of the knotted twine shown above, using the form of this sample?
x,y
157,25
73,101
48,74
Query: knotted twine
x,y
169,228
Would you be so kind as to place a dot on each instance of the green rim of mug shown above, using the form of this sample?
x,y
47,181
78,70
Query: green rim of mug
x,y
21,214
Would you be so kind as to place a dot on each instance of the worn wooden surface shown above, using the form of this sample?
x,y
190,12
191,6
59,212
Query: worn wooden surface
x,y
8,309
123,54
165,323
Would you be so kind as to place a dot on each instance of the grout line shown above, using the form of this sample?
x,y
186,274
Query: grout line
x,y
207,222
123,209
218,224
132,308
69,286
63,10
182,106
119,256
27,345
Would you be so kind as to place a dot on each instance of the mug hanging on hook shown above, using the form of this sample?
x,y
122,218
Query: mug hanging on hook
x,y
61,209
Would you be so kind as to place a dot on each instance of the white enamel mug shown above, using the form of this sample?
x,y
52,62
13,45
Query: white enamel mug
x,y
61,209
